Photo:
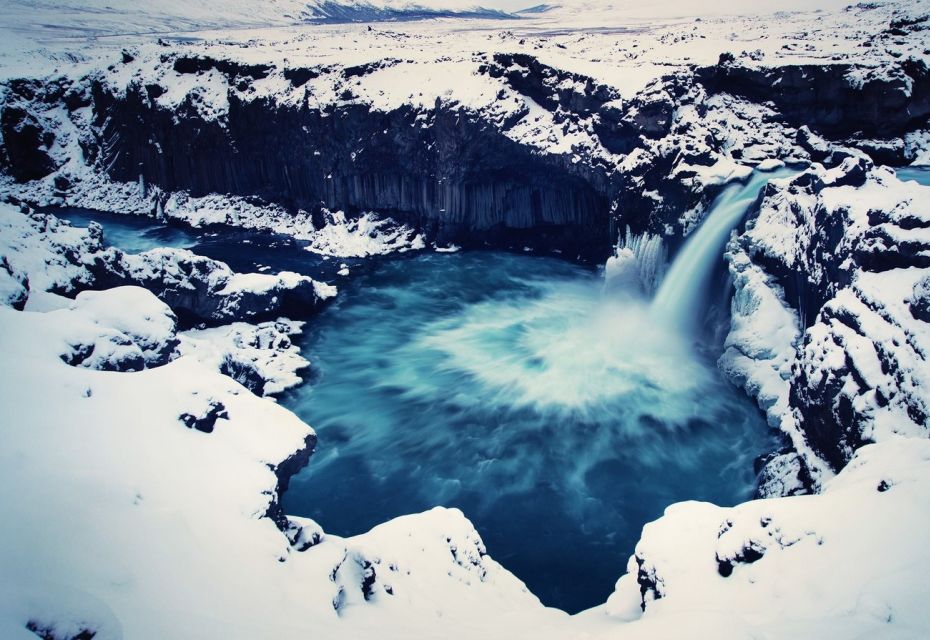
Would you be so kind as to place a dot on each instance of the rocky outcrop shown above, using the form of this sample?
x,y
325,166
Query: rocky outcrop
x,y
284,471
260,357
845,251
203,290
121,329
14,286
837,100
67,260
444,170
25,145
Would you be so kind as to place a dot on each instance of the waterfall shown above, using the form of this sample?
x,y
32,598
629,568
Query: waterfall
x,y
680,297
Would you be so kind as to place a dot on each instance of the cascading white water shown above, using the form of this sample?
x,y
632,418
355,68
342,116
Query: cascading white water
x,y
684,288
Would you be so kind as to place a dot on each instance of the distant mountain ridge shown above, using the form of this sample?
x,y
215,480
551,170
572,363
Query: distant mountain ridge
x,y
364,11
122,17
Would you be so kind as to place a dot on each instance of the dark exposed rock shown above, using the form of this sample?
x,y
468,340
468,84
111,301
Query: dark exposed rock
x,y
300,76
650,585
14,286
48,632
231,69
284,472
357,71
205,421
303,536
837,100
550,87
747,555
244,373
111,351
26,144
783,473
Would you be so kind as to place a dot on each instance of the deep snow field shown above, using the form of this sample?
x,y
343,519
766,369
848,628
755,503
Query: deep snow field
x,y
451,320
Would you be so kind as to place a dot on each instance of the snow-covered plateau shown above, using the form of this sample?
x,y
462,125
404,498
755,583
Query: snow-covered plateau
x,y
146,441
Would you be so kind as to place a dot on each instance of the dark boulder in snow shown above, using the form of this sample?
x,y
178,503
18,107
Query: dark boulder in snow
x,y
205,419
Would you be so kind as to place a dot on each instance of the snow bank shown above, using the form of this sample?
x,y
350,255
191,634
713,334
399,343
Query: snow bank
x,y
166,515
846,563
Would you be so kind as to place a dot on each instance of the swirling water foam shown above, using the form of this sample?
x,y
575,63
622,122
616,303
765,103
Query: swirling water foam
x,y
508,386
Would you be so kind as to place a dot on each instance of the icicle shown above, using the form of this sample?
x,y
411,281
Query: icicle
x,y
639,260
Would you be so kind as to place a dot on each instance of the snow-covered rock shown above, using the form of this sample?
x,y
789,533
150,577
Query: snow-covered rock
x,y
138,314
792,567
14,286
261,357
48,252
56,257
367,235
206,289
828,276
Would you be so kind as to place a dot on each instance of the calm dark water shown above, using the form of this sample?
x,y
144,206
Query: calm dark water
x,y
242,250
506,385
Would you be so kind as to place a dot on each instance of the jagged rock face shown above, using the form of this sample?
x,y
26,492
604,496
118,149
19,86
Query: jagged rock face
x,y
25,143
553,88
463,173
445,170
847,250
837,100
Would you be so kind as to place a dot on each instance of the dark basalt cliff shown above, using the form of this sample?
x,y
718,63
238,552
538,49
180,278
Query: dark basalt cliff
x,y
445,171
448,171
839,101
